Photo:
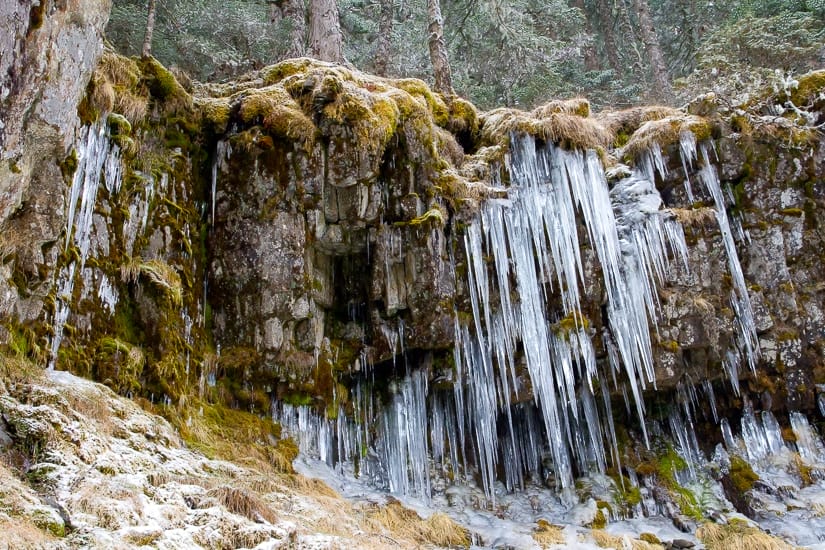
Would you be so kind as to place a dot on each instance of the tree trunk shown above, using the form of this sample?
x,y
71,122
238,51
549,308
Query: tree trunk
x,y
150,29
326,42
382,49
294,12
607,23
654,51
438,50
591,61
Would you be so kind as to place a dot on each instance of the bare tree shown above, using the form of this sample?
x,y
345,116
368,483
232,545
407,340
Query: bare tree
x,y
438,49
294,13
382,49
150,29
661,82
326,42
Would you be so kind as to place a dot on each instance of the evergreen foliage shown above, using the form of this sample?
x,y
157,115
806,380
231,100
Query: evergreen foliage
x,y
516,53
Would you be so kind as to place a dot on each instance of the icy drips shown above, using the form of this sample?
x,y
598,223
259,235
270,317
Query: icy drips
x,y
747,341
533,239
98,159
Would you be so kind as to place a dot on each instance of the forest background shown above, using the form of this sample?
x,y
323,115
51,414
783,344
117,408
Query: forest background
x,y
520,53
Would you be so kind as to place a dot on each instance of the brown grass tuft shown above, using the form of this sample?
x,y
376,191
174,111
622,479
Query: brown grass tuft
x,y
569,131
577,106
20,534
606,540
402,523
698,218
546,534
243,503
625,122
665,132
738,535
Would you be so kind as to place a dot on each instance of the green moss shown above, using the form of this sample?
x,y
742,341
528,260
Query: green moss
x,y
68,166
742,475
118,125
48,522
809,87
599,521
280,71
435,104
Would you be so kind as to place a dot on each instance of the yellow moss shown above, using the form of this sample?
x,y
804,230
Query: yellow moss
x,y
274,109
742,475
577,106
665,132
809,88
421,92
276,73
434,216
215,111
463,116
738,535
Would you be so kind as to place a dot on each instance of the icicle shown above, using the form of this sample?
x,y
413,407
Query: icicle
x,y
97,159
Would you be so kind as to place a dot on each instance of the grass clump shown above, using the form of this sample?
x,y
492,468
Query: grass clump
x,y
622,124
568,130
605,540
664,132
120,365
159,273
439,529
738,535
243,503
577,106
546,534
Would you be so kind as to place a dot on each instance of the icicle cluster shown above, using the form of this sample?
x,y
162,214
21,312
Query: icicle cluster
x,y
533,239
98,160
526,275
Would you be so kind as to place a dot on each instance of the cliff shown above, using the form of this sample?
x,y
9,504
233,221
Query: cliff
x,y
309,232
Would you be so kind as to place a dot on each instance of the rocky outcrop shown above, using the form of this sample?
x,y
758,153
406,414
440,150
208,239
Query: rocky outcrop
x,y
49,50
276,236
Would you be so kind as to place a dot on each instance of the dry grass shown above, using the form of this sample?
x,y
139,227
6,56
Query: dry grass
x,y
546,534
738,535
96,499
19,534
606,540
665,132
578,106
243,503
569,131
698,218
116,87
627,121
402,523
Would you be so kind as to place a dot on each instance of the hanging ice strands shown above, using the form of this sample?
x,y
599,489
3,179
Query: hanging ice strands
x,y
98,159
747,341
534,240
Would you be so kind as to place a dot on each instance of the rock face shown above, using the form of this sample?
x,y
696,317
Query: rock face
x,y
275,237
49,50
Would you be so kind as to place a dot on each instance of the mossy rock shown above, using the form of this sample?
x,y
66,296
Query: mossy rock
x,y
742,475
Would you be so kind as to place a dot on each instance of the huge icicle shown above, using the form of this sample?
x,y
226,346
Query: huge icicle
x,y
534,240
98,159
